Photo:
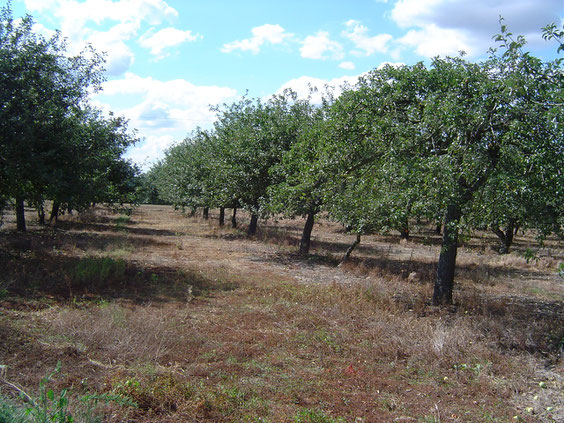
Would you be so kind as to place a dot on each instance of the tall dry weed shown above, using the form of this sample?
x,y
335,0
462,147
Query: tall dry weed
x,y
143,334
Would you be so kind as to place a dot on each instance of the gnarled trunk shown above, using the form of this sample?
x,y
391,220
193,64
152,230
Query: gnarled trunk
x,y
506,236
305,242
444,283
351,248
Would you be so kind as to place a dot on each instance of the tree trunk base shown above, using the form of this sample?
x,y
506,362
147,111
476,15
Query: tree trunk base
x,y
305,242
253,225
442,294
221,216
234,218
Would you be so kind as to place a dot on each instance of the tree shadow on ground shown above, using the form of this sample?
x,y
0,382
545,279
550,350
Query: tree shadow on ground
x,y
33,277
39,265
112,227
48,238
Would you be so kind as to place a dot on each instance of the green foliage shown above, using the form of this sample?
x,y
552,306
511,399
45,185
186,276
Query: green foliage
x,y
54,407
552,32
10,413
147,190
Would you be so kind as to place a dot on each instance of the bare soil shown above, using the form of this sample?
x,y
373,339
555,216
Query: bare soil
x,y
199,323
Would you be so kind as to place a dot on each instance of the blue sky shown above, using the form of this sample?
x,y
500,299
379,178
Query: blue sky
x,y
168,60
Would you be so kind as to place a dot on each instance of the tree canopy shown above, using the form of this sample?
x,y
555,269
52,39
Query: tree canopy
x,y
53,144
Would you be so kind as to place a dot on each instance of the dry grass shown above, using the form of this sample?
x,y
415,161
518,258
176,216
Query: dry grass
x,y
204,324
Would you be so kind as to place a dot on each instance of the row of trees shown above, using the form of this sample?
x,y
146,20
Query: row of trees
x,y
466,145
53,144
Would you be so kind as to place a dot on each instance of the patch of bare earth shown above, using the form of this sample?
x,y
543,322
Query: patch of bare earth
x,y
204,324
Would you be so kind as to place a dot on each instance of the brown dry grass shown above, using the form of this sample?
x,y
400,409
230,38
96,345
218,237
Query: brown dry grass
x,y
205,324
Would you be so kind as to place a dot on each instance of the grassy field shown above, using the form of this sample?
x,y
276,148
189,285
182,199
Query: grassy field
x,y
196,323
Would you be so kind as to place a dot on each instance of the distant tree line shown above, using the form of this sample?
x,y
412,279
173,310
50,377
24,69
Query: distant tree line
x,y
464,145
54,145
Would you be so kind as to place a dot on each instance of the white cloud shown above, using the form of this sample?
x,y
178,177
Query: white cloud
x,y
347,65
119,56
149,150
163,111
409,13
165,38
367,45
316,46
39,5
75,15
176,91
273,34
78,22
460,24
433,41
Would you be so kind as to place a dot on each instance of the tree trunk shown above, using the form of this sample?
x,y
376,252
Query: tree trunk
x,y
54,211
404,230
253,225
41,213
351,248
206,213
234,218
221,216
444,283
438,228
506,237
20,214
305,242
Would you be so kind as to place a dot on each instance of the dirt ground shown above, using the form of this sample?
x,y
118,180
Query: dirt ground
x,y
198,323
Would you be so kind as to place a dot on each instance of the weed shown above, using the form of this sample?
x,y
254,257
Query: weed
x,y
315,416
160,393
54,407
475,368
390,402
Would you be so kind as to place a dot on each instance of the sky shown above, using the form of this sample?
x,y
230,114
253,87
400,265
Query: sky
x,y
168,61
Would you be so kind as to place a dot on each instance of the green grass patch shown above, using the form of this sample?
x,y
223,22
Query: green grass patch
x,y
98,270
